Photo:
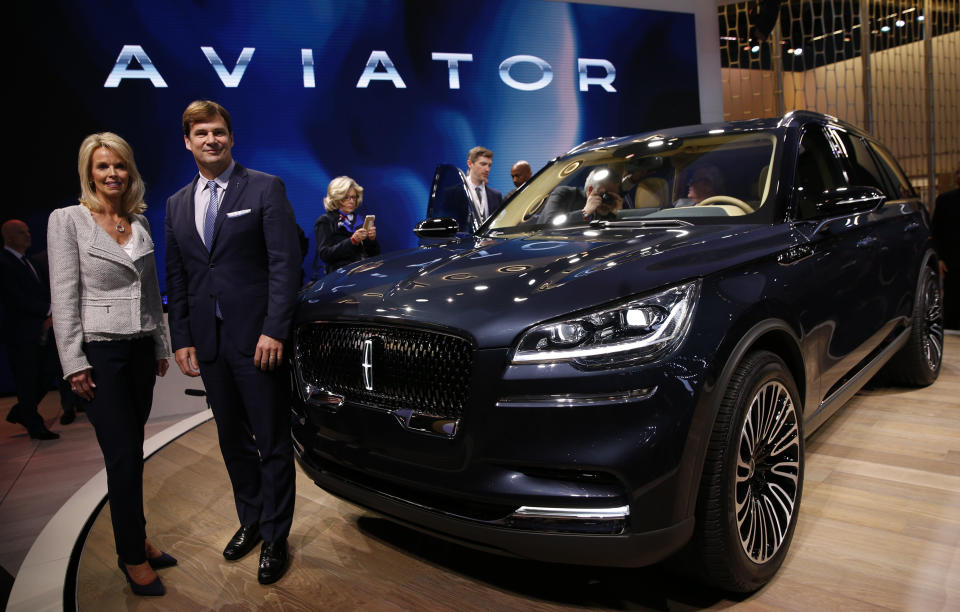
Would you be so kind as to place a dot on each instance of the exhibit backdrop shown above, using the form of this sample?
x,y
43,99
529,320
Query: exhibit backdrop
x,y
382,91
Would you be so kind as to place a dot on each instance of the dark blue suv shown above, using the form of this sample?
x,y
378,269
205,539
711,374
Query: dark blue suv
x,y
620,365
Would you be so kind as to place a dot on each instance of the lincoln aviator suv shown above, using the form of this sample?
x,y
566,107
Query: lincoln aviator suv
x,y
621,364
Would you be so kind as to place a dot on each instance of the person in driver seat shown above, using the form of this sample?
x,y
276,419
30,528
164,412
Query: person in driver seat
x,y
705,181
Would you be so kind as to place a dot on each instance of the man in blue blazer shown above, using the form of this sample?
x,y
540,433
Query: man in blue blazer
x,y
233,266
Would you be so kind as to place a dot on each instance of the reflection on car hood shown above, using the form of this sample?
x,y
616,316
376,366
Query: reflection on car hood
x,y
493,288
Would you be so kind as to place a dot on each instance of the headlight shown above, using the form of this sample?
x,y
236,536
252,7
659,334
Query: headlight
x,y
639,330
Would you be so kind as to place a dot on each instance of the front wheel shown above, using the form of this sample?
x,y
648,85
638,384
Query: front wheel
x,y
752,478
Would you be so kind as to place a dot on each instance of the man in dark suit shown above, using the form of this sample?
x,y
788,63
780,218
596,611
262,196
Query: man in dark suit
x,y
946,225
479,199
26,327
486,199
520,173
233,266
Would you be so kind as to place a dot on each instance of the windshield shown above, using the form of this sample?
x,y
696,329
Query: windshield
x,y
711,178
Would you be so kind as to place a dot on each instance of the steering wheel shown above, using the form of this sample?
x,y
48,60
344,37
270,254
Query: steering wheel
x,y
725,199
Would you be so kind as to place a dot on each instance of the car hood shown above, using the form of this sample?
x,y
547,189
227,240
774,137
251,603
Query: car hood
x,y
492,288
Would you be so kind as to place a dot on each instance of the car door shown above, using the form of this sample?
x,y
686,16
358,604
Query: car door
x,y
842,322
899,221
450,197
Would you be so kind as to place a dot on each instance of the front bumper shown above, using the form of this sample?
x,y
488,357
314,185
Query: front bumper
x,y
621,550
596,480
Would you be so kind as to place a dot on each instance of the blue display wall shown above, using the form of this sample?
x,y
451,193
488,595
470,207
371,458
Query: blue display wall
x,y
380,90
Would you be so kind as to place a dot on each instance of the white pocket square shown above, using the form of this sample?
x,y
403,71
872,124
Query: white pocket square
x,y
238,213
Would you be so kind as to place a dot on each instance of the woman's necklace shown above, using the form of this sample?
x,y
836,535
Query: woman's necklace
x,y
120,227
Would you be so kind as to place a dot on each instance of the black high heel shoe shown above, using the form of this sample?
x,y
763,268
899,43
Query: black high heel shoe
x,y
154,589
164,560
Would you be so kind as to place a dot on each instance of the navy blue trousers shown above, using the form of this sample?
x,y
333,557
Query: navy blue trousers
x,y
252,411
31,363
124,372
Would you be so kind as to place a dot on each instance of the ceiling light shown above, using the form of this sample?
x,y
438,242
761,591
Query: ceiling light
x,y
900,23
885,28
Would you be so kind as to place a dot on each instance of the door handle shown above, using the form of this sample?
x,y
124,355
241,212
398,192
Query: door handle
x,y
794,254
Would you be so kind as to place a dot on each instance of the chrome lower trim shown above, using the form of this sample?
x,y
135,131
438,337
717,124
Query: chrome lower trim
x,y
576,399
576,514
597,521
840,397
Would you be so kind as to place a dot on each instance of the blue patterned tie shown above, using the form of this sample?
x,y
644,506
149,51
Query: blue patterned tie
x,y
210,218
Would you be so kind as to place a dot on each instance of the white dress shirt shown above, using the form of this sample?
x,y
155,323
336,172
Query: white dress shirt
x,y
482,202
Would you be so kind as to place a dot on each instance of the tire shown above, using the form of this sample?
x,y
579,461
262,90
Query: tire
x,y
917,364
753,477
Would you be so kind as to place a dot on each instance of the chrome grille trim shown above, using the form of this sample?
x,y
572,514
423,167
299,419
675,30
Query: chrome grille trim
x,y
420,376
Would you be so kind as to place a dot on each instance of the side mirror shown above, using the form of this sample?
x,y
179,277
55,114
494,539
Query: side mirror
x,y
441,227
848,200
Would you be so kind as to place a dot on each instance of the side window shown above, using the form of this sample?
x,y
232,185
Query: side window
x,y
817,171
858,164
894,172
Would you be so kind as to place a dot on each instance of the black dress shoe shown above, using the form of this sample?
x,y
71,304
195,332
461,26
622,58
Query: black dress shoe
x,y
164,560
12,415
273,561
242,542
44,434
67,417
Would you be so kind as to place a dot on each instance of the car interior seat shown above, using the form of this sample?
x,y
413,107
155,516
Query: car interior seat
x,y
651,192
763,185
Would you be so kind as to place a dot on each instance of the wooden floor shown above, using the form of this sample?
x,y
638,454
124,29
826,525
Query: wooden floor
x,y
879,529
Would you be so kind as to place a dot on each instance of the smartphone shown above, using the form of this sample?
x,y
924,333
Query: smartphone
x,y
368,221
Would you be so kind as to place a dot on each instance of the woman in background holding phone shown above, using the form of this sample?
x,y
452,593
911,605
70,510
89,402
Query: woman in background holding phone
x,y
343,236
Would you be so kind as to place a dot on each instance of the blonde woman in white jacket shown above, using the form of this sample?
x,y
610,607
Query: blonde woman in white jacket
x,y
108,322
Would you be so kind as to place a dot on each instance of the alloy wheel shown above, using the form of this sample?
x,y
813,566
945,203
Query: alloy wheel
x,y
933,320
767,477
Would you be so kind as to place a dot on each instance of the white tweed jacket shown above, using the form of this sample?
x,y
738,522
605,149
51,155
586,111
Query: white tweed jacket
x,y
97,291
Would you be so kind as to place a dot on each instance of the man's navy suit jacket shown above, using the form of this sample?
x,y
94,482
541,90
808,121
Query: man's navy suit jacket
x,y
252,270
25,301
457,200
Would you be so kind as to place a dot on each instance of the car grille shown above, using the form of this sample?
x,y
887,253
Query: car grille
x,y
422,370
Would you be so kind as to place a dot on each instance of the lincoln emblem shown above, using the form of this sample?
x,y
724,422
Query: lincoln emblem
x,y
367,365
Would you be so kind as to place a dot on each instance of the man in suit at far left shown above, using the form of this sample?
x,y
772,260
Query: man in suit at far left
x,y
26,327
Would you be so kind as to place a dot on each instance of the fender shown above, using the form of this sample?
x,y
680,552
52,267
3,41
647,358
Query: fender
x,y
775,334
